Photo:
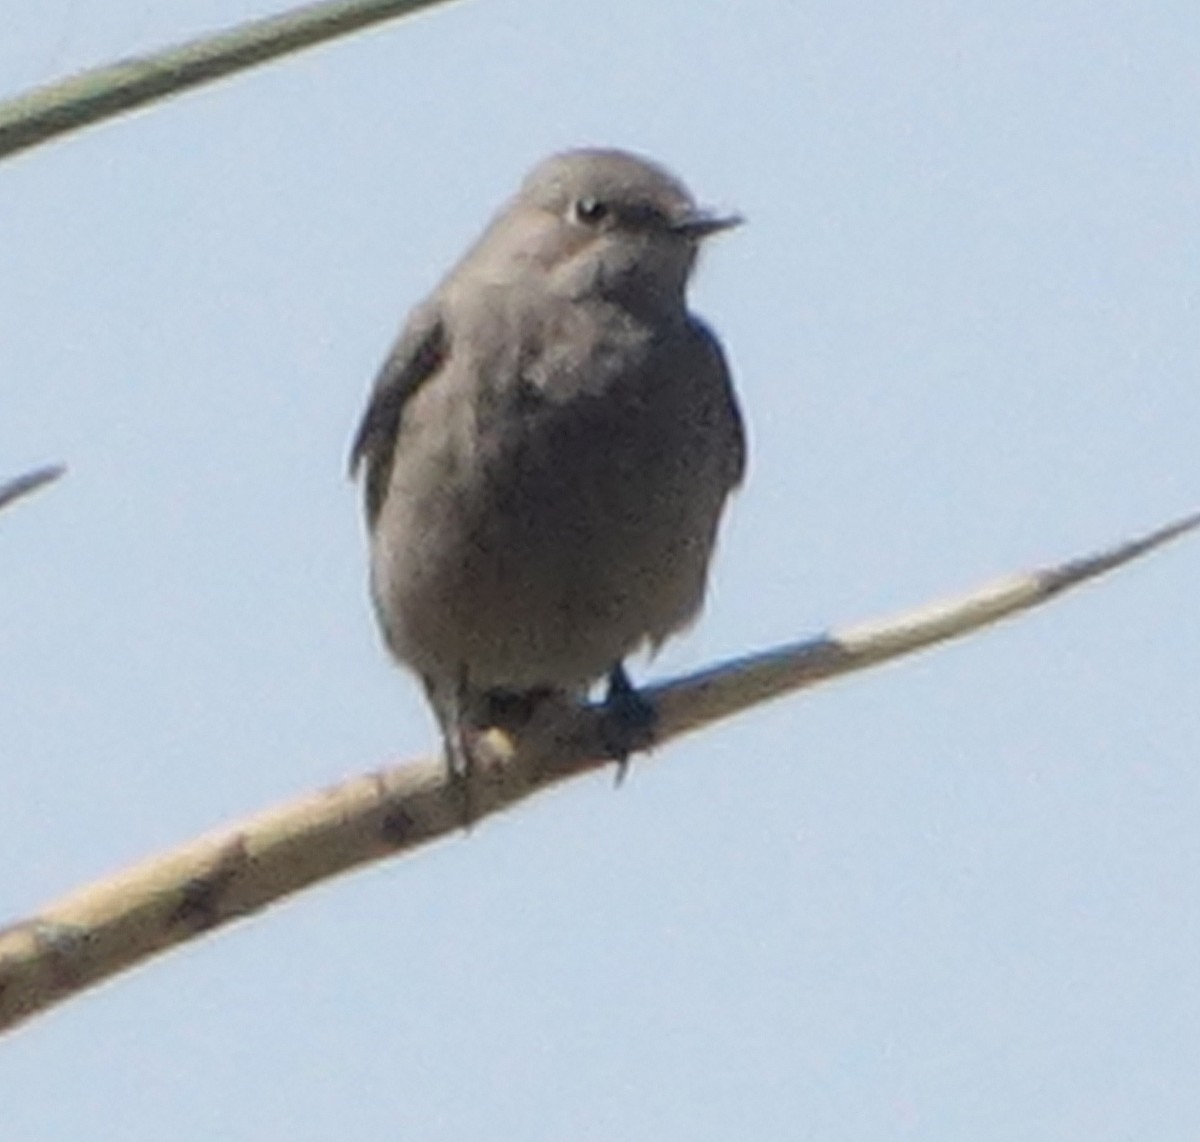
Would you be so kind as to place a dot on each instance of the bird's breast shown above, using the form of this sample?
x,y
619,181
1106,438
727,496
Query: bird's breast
x,y
559,503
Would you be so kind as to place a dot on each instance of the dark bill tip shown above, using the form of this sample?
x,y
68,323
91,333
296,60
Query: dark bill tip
x,y
701,224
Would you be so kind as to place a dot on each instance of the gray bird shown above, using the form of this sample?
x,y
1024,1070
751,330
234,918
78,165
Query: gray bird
x,y
548,448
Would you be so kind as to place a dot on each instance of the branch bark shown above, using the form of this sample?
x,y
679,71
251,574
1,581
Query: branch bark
x,y
110,926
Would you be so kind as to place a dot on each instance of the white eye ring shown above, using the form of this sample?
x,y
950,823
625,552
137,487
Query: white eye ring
x,y
589,211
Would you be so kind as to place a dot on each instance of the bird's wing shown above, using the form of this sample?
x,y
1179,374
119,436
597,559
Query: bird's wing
x,y
417,355
725,404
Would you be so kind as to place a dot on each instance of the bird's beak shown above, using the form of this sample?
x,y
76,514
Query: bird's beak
x,y
701,224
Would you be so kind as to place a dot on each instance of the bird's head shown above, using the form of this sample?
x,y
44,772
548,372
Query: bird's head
x,y
605,222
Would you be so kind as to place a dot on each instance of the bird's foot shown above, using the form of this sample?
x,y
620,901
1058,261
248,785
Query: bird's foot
x,y
629,720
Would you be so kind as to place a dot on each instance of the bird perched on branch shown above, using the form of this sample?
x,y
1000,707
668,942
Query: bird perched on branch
x,y
548,449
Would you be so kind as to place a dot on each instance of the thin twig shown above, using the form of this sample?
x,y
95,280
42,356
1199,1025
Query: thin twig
x,y
93,96
14,489
108,927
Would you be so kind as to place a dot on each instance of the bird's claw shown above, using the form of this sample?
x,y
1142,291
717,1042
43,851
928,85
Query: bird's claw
x,y
629,721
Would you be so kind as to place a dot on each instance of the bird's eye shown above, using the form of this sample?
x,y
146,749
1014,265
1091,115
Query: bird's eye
x,y
590,211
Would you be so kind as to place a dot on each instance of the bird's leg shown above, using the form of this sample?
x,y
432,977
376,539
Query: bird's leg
x,y
456,742
629,720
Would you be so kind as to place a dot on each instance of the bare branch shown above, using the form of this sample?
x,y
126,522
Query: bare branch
x,y
692,702
108,927
12,490
105,92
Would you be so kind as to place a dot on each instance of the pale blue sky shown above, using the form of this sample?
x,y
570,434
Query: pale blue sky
x,y
953,899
